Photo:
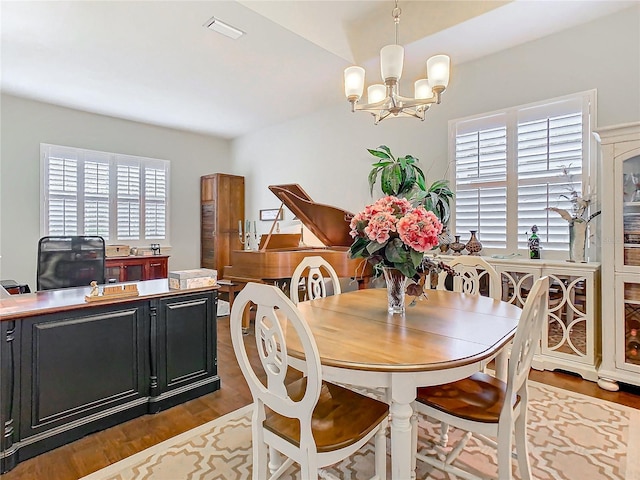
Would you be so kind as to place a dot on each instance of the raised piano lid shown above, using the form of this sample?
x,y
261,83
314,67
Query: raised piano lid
x,y
329,224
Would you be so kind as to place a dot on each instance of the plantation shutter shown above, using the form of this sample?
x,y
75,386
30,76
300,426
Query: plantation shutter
x,y
117,197
61,192
128,201
155,203
549,161
512,165
480,176
96,195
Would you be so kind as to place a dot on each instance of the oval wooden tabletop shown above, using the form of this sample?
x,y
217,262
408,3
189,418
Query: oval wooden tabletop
x,y
353,330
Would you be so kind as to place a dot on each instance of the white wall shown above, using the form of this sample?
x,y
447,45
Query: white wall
x,y
25,124
326,152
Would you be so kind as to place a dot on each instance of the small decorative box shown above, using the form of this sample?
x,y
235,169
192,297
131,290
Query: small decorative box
x,y
117,251
196,278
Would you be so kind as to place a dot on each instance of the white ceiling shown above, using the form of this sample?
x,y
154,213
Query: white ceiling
x,y
154,62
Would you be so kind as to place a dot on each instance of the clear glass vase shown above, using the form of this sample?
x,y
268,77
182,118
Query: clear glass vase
x,y
577,241
396,286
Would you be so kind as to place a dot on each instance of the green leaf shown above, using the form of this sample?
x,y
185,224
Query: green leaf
x,y
416,258
445,212
373,176
395,179
386,149
442,185
382,163
406,270
373,247
389,181
408,182
419,171
395,253
358,248
377,153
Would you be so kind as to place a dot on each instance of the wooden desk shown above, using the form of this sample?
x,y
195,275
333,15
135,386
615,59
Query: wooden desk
x,y
444,338
70,367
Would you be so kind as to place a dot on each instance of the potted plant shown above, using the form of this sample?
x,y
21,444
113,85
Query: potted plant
x,y
403,177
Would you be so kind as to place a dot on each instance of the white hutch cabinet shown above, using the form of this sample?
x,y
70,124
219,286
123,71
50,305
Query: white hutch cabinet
x,y
620,199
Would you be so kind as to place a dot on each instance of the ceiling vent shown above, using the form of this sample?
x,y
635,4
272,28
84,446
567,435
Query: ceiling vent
x,y
225,29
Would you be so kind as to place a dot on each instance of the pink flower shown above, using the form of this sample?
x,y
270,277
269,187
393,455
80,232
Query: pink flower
x,y
393,218
419,229
357,224
380,226
394,205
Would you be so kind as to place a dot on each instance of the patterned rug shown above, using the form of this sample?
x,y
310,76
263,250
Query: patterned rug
x,y
571,436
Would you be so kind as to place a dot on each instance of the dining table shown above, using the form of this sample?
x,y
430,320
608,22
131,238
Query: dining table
x,y
441,338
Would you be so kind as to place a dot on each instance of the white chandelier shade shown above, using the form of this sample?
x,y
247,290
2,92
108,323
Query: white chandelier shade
x,y
391,61
385,99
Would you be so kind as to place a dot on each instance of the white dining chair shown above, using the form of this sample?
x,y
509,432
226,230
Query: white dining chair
x,y
470,275
309,421
484,406
470,272
317,270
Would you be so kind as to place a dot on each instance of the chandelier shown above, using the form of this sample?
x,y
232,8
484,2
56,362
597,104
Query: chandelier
x,y
385,100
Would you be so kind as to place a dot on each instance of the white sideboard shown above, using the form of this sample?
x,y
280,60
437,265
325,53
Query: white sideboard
x,y
571,337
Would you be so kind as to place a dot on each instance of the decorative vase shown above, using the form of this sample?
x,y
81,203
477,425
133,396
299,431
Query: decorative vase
x,y
577,241
457,246
445,239
396,285
473,246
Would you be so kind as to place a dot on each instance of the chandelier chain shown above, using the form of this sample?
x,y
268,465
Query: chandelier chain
x,y
396,19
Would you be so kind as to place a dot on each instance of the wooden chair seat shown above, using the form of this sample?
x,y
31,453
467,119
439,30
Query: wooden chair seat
x,y
341,417
478,398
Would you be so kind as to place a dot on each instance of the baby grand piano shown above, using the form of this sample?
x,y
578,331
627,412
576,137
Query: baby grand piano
x,y
273,262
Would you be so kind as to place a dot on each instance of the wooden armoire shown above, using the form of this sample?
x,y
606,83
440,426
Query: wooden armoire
x,y
221,209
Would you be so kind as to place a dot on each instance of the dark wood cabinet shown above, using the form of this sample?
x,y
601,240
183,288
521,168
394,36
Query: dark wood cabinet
x,y
186,347
222,208
74,367
136,269
70,368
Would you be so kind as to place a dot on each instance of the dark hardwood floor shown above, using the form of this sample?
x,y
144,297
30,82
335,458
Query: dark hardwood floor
x,y
101,449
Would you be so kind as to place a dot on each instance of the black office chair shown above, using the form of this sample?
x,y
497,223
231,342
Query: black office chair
x,y
70,261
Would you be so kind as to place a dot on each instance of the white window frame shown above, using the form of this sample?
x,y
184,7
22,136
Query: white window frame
x,y
113,160
516,239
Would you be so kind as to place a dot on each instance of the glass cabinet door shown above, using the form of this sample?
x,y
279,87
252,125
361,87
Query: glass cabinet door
x,y
134,272
156,270
628,337
113,273
631,211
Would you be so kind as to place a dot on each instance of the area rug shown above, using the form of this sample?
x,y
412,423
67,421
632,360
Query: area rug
x,y
571,436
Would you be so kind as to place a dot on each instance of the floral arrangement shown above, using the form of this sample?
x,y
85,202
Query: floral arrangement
x,y
393,233
579,205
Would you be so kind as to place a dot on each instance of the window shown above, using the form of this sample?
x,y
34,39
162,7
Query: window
x,y
119,197
511,165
